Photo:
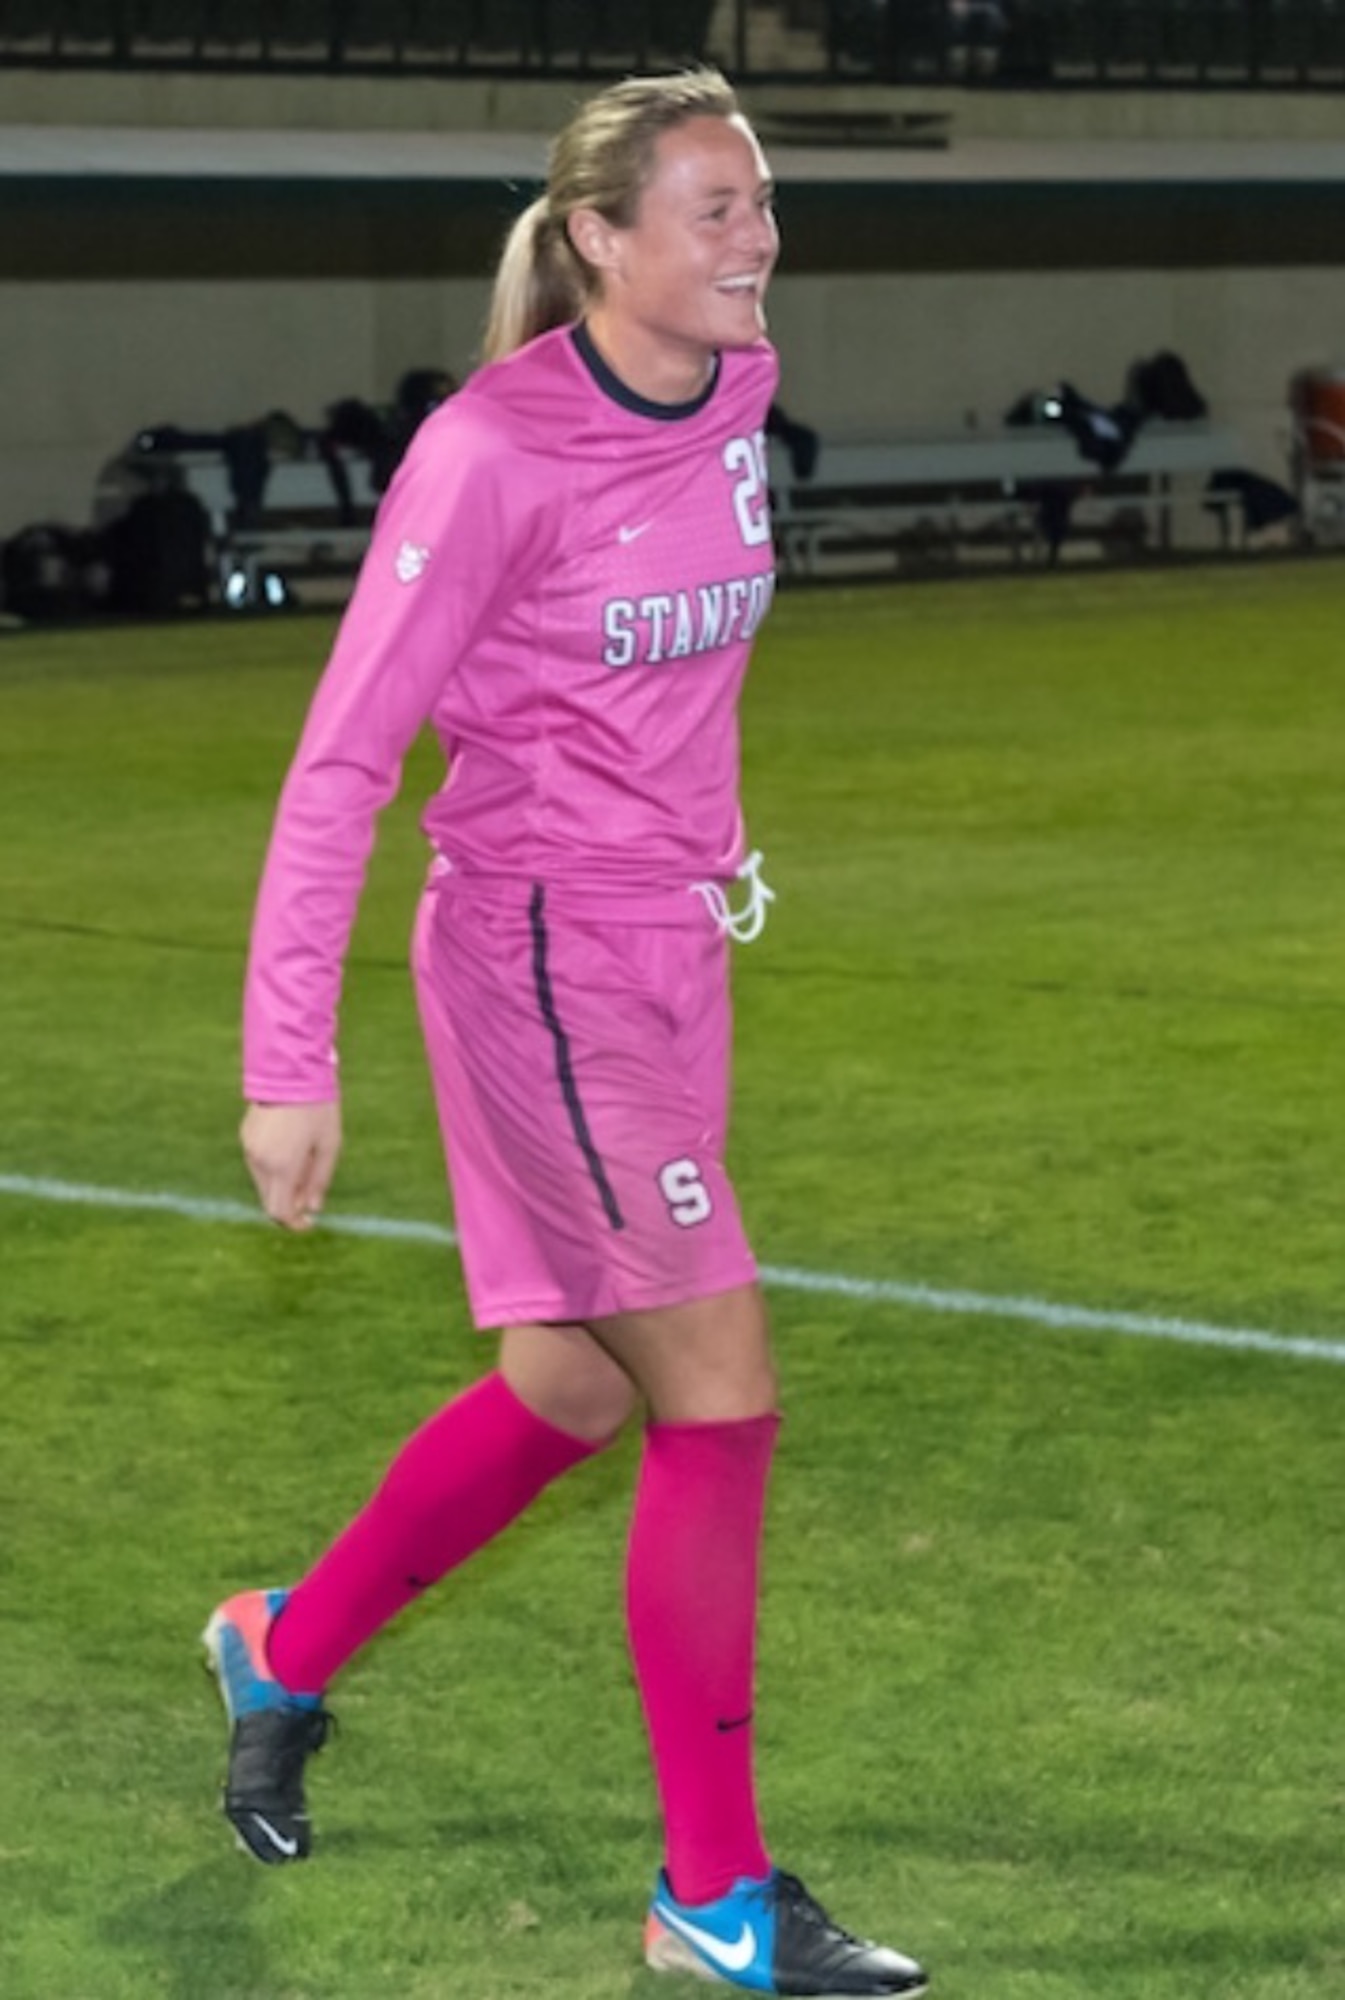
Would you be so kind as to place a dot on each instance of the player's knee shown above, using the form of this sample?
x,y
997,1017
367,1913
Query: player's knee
x,y
720,1396
710,1382
597,1414
567,1379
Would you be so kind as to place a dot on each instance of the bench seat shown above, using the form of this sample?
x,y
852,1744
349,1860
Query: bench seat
x,y
866,499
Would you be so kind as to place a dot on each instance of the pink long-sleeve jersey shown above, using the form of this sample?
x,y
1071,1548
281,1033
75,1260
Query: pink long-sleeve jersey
x,y
565,581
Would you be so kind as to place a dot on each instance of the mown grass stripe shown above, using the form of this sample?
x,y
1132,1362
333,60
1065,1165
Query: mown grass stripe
x,y
780,1277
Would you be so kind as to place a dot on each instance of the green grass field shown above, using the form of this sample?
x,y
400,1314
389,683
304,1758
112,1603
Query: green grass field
x,y
1051,1009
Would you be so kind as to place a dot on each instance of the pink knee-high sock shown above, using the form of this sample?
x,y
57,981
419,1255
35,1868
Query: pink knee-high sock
x,y
691,1600
462,1477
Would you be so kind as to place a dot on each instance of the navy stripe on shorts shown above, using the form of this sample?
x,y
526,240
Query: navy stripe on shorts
x,y
569,1089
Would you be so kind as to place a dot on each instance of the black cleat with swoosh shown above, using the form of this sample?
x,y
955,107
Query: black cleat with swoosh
x,y
264,1791
773,1937
272,1732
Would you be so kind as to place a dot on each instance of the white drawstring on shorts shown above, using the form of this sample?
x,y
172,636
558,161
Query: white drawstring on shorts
x,y
746,924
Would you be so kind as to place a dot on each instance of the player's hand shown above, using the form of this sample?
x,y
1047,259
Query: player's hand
x,y
291,1152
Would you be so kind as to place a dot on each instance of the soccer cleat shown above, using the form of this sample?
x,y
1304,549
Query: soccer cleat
x,y
272,1731
772,1937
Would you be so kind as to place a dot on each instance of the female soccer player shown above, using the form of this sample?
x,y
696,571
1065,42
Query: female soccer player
x,y
565,578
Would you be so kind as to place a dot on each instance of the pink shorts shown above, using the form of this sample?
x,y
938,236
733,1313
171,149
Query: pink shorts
x,y
579,1047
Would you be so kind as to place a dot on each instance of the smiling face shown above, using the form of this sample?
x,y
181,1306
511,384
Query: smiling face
x,y
688,276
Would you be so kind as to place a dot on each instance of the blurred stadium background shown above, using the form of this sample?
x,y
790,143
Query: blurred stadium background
x,y
212,213
1040,1061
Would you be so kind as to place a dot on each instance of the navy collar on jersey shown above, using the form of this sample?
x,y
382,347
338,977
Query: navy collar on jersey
x,y
612,385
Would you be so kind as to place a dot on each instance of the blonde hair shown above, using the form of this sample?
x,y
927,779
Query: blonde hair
x,y
601,160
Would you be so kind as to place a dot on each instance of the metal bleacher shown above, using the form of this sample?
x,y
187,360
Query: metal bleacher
x,y
1018,43
380,35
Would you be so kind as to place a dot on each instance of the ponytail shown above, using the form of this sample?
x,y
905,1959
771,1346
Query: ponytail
x,y
539,283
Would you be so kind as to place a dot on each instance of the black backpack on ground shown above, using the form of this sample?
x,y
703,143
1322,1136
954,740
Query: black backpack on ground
x,y
51,572
157,553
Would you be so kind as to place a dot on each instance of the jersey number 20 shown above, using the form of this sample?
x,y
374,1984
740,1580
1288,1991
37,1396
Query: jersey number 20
x,y
746,459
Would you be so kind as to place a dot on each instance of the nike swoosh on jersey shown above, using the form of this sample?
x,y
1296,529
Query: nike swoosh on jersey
x,y
625,535
282,1842
734,1954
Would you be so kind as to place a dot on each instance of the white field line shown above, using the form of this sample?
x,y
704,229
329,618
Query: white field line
x,y
781,1277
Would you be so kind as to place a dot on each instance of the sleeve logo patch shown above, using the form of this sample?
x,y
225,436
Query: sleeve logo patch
x,y
410,562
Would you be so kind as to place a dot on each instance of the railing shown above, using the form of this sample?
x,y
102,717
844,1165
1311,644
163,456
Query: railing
x,y
1040,43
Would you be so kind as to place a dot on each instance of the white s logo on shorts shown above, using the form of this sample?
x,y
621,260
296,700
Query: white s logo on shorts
x,y
685,1192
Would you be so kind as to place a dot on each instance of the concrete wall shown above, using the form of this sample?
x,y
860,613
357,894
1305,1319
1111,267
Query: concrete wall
x,y
370,103
933,349
84,363
87,364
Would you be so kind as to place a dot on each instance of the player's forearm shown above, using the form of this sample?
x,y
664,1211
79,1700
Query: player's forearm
x,y
305,914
